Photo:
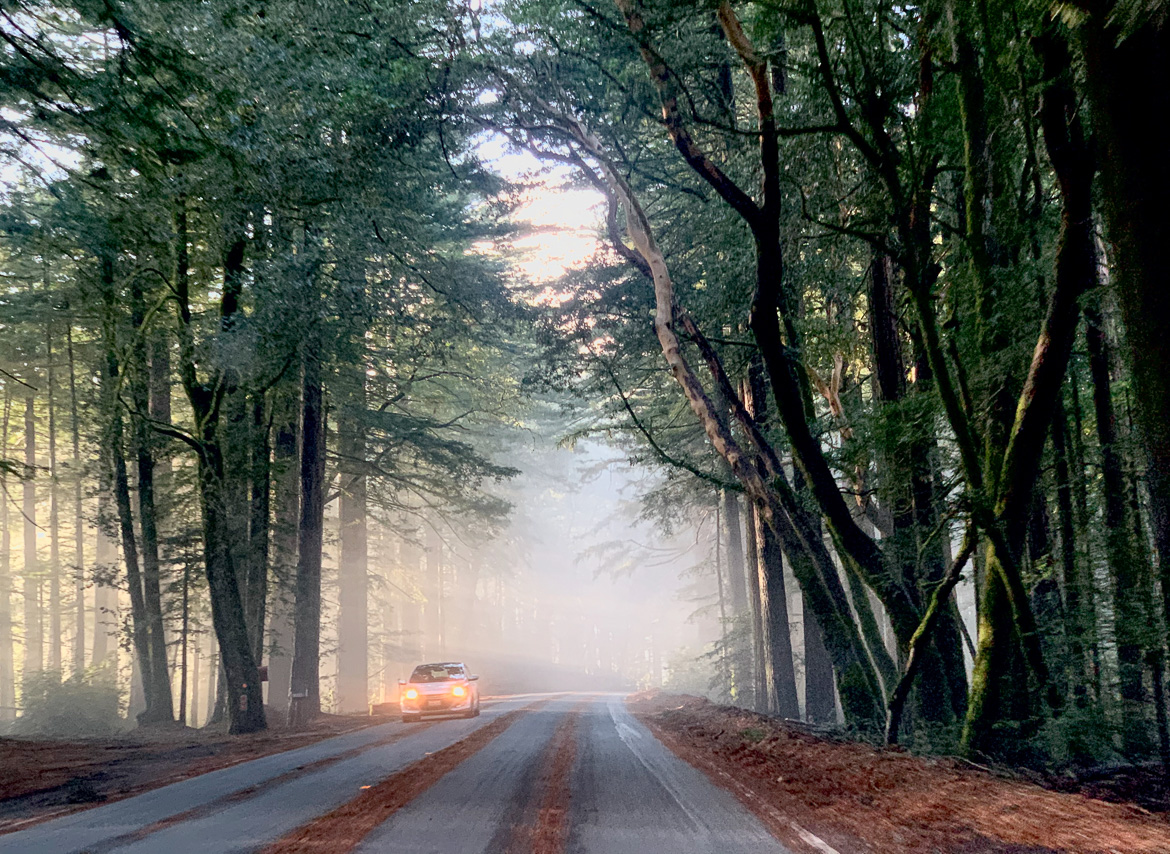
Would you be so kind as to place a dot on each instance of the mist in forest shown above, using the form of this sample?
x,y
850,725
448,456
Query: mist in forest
x,y
859,381
576,592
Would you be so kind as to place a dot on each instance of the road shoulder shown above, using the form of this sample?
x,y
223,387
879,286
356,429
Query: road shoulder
x,y
819,795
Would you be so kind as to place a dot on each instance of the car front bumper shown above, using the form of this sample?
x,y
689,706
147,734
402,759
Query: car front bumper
x,y
436,704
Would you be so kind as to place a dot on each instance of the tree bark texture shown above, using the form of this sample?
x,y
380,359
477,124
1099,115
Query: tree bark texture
x,y
156,678
1135,173
286,492
242,695
56,636
105,597
779,668
259,524
1079,622
7,660
772,316
820,704
859,686
780,672
34,651
352,620
1130,593
305,689
1007,625
733,521
759,672
79,569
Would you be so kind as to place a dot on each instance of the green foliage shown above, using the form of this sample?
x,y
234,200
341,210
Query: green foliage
x,y
686,674
753,735
1081,738
85,705
322,158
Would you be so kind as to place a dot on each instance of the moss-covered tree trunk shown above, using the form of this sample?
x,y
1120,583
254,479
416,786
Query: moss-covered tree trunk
x,y
1124,71
1005,706
1126,561
1079,621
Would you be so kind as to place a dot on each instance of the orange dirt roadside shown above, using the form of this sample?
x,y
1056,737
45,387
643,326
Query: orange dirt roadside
x,y
46,778
858,798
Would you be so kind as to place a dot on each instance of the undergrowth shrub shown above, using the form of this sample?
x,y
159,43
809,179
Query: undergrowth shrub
x,y
84,705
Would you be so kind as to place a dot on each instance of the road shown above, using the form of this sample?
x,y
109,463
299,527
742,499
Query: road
x,y
532,775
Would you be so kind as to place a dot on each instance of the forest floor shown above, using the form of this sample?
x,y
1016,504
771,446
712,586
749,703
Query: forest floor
x,y
860,798
44,778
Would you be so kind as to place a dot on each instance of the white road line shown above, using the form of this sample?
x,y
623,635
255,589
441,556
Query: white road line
x,y
812,840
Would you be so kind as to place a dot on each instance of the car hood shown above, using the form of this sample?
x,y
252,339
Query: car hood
x,y
434,687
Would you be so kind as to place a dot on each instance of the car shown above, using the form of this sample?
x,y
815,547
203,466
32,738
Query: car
x,y
443,688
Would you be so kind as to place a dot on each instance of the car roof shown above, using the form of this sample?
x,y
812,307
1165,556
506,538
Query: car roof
x,y
442,664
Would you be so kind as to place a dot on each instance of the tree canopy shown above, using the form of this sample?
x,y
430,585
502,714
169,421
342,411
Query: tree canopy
x,y
877,290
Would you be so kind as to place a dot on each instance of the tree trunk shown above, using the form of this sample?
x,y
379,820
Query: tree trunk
x,y
1135,174
1008,630
467,618
139,631
184,640
779,669
286,472
237,446
820,704
412,639
105,597
213,679
759,637
7,662
436,639
1080,496
120,481
780,676
736,580
196,657
260,487
739,651
56,636
34,653
727,681
242,696
353,616
1078,622
78,517
156,678
305,678
1125,559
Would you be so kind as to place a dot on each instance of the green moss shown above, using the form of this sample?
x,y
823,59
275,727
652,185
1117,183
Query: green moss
x,y
753,734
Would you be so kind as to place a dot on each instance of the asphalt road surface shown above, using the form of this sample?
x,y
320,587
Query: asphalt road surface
x,y
567,773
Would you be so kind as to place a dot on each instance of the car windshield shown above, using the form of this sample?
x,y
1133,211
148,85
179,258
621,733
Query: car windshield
x,y
436,673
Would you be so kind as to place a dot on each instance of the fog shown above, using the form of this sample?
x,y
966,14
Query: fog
x,y
577,591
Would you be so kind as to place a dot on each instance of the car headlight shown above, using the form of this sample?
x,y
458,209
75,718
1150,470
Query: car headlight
x,y
459,691
411,694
